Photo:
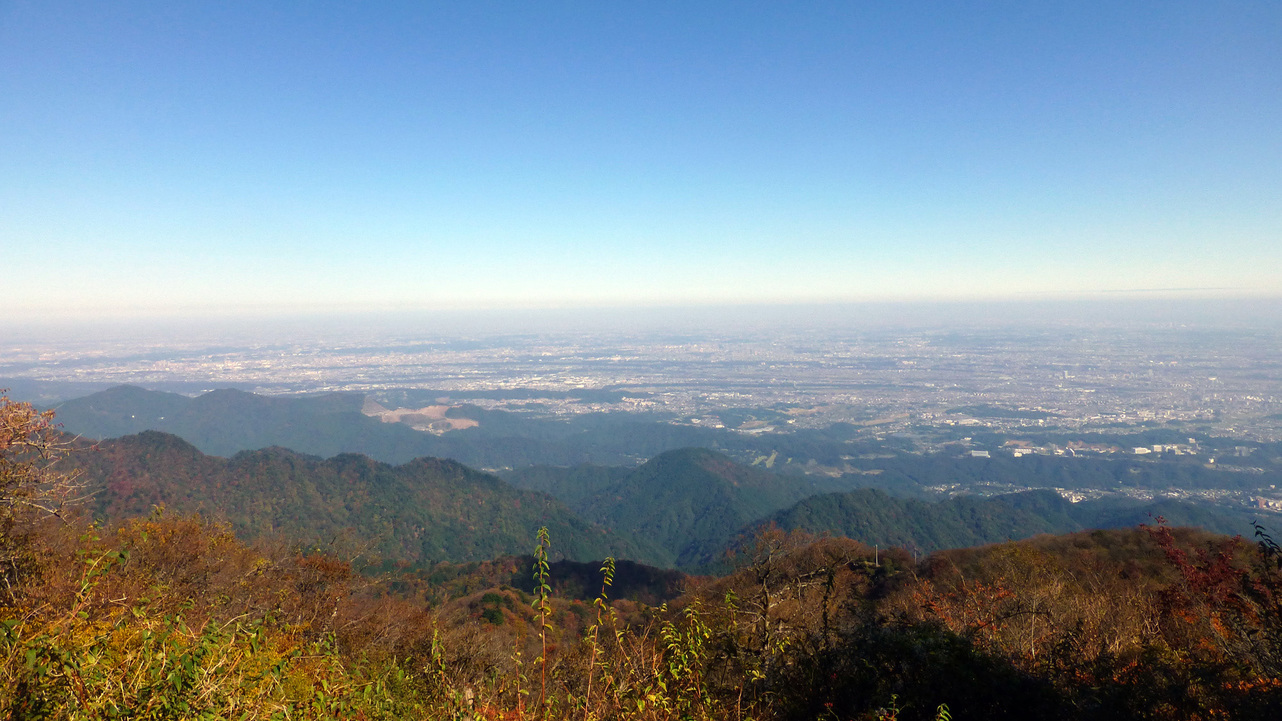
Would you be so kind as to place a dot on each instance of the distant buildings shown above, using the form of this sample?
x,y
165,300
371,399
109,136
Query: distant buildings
x,y
1271,504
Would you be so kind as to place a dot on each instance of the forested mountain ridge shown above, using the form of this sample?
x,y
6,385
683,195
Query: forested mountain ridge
x,y
690,498
875,518
225,422
682,508
425,510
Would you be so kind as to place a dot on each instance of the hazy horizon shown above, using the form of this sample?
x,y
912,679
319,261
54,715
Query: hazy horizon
x,y
233,159
1264,314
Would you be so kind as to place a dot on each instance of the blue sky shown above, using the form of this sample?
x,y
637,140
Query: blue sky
x,y
274,157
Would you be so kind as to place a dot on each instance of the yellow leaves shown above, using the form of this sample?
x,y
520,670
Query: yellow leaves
x,y
143,622
30,480
160,660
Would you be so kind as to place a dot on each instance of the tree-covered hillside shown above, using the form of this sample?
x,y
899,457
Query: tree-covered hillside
x,y
425,510
576,486
690,499
226,422
875,518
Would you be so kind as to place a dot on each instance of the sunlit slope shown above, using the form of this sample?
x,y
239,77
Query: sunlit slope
x,y
425,510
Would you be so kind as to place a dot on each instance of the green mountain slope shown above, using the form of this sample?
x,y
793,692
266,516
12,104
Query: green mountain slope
x,y
576,487
690,499
425,510
872,517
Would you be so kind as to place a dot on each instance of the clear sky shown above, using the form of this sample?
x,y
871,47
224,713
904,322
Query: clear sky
x,y
248,156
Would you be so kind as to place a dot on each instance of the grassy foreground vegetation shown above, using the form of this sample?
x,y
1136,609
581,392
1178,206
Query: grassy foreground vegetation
x,y
166,616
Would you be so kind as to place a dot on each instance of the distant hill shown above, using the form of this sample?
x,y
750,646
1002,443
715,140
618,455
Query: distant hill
x,y
681,500
121,411
225,422
875,518
425,510
681,508
688,502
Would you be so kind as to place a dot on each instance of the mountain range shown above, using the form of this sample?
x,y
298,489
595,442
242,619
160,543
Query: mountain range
x,y
226,421
686,501
836,458
683,508
311,468
872,516
425,510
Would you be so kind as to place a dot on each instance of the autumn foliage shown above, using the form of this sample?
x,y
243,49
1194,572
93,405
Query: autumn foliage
x,y
166,616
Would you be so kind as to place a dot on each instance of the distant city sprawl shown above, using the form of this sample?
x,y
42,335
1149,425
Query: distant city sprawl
x,y
884,382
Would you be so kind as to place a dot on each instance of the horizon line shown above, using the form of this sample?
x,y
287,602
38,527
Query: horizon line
x,y
355,309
